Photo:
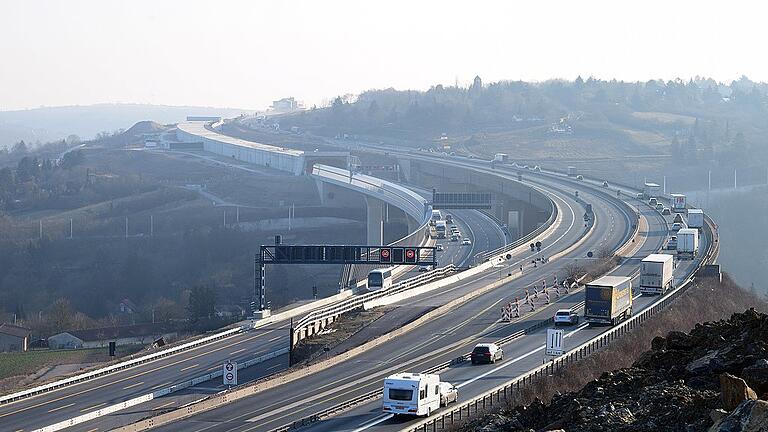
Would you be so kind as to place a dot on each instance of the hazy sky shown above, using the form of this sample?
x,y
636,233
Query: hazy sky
x,y
246,53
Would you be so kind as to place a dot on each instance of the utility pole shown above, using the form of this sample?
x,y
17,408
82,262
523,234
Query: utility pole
x,y
225,217
41,229
665,185
152,234
734,178
237,214
71,228
126,227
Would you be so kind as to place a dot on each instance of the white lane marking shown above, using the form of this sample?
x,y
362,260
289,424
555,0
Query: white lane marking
x,y
375,422
515,360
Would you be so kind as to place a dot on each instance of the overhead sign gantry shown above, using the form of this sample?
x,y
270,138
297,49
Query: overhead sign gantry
x,y
335,254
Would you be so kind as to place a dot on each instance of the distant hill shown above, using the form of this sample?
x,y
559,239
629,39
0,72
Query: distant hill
x,y
49,124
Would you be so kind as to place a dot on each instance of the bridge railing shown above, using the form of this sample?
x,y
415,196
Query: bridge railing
x,y
358,301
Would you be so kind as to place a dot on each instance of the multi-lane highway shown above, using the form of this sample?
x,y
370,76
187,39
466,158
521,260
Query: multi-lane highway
x,y
71,401
434,342
441,339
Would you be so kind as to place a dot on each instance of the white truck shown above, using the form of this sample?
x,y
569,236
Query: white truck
x,y
440,229
678,203
608,300
656,274
687,243
501,158
696,218
416,394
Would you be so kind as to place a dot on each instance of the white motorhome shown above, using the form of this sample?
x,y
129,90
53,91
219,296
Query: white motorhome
x,y
416,394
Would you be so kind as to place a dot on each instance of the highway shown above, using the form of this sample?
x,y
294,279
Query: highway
x,y
436,341
88,396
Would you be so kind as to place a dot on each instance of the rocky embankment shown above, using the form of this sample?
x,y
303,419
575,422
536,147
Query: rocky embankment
x,y
714,378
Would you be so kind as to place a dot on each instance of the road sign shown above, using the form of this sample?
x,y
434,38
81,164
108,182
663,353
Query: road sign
x,y
410,255
461,200
230,373
385,255
555,342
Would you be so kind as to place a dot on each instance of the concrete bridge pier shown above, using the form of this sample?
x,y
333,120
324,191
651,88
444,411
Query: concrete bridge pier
x,y
376,214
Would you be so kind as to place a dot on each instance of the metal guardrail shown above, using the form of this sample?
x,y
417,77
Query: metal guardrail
x,y
355,302
525,239
114,368
503,393
375,394
101,412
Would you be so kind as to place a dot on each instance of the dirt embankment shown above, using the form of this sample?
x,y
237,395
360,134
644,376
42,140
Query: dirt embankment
x,y
713,378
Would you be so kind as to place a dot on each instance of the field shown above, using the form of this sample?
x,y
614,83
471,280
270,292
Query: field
x,y
25,363
663,117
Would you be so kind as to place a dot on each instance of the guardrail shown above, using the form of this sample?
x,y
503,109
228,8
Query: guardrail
x,y
358,301
503,393
150,396
403,198
116,367
525,239
375,394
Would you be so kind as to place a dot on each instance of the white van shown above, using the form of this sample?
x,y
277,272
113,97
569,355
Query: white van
x,y
416,394
380,279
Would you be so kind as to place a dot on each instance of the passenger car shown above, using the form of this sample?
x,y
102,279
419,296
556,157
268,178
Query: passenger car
x,y
566,316
486,353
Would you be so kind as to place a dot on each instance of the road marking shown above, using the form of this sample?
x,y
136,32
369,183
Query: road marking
x,y
189,367
165,384
92,430
92,407
273,367
515,360
133,385
375,422
275,338
61,407
238,351
165,405
131,377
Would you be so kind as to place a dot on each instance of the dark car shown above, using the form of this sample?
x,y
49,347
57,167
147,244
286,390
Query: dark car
x,y
486,353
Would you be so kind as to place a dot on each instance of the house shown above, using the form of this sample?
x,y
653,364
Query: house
x,y
138,334
126,306
14,338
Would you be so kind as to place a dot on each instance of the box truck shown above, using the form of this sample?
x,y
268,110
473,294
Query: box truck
x,y
416,394
656,274
501,158
687,243
678,203
608,300
696,218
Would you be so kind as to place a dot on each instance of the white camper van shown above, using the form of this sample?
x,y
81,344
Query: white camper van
x,y
416,394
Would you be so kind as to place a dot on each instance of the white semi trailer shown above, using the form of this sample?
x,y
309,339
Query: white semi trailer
x,y
696,218
687,243
656,274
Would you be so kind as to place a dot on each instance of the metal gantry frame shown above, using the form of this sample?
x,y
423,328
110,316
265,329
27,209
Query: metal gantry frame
x,y
335,254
